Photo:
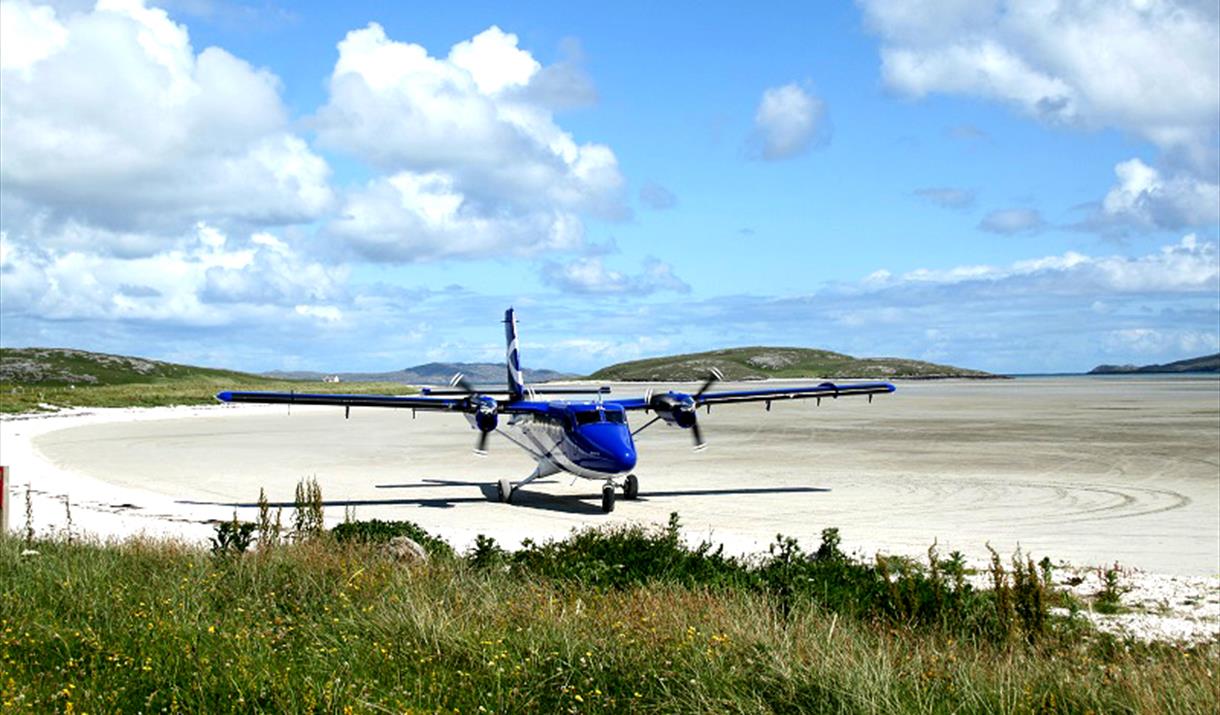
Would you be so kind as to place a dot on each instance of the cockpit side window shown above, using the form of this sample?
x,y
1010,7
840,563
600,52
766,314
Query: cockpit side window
x,y
587,417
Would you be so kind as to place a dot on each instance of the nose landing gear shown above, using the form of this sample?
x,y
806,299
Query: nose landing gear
x,y
631,489
608,498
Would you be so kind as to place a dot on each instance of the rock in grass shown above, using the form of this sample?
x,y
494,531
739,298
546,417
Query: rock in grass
x,y
404,549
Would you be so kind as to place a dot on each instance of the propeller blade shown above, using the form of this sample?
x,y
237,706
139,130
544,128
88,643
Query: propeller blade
x,y
697,434
480,446
461,382
713,376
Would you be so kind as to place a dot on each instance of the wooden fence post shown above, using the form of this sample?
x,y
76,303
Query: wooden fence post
x,y
6,476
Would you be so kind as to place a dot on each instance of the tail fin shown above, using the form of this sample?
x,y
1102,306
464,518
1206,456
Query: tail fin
x,y
516,382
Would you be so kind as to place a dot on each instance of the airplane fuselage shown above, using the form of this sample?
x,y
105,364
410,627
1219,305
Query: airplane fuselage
x,y
586,439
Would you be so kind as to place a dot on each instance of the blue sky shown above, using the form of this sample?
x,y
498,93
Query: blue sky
x,y
1013,187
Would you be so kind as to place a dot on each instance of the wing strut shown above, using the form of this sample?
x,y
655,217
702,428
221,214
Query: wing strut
x,y
646,425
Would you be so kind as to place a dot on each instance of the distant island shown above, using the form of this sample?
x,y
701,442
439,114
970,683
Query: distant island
x,y
66,366
80,368
759,363
1206,363
433,373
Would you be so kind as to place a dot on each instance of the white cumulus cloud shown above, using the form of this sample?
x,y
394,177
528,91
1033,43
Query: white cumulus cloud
x,y
1150,67
208,281
1153,341
787,121
590,276
113,120
1143,196
470,124
412,216
1189,266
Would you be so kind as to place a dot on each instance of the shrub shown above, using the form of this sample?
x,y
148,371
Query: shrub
x,y
1028,597
486,553
232,537
628,555
268,528
308,509
1109,598
893,589
376,531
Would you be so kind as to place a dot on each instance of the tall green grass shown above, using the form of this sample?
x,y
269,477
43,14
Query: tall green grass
x,y
620,620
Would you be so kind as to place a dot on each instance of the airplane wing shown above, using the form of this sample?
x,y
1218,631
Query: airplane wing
x,y
303,398
824,390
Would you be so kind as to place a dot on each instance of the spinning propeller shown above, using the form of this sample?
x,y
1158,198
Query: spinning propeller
x,y
483,407
679,408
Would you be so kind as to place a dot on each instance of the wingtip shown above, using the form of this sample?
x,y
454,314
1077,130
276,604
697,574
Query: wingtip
x,y
225,396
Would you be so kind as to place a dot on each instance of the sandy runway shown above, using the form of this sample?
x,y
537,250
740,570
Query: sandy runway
x,y
1086,470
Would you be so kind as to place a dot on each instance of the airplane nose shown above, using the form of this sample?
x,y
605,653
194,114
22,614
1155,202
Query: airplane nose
x,y
613,444
626,459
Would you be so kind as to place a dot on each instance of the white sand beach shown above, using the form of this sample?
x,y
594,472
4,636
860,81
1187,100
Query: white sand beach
x,y
1086,471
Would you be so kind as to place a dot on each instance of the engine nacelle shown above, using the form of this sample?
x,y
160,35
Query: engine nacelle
x,y
675,408
486,420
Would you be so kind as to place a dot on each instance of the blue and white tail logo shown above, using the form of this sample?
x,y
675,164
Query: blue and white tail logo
x,y
516,382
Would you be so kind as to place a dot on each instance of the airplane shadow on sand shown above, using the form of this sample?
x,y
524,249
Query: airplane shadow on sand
x,y
568,503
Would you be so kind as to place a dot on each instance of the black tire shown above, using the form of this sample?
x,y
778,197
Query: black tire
x,y
631,487
607,499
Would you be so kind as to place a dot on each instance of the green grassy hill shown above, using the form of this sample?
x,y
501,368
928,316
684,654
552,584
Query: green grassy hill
x,y
756,363
1205,363
38,379
61,366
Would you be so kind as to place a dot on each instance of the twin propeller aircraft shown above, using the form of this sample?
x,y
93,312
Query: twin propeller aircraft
x,y
590,439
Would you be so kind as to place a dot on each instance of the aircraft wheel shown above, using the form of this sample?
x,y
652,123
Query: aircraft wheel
x,y
608,498
631,488
505,488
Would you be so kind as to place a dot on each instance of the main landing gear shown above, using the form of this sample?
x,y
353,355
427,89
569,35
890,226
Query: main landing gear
x,y
631,490
505,487
630,487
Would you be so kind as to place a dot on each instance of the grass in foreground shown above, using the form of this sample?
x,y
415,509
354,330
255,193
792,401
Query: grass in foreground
x,y
619,620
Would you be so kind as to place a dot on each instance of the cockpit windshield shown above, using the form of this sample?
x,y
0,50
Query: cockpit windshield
x,y
612,414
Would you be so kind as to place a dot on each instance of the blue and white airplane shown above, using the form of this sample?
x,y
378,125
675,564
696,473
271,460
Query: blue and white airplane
x,y
590,439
